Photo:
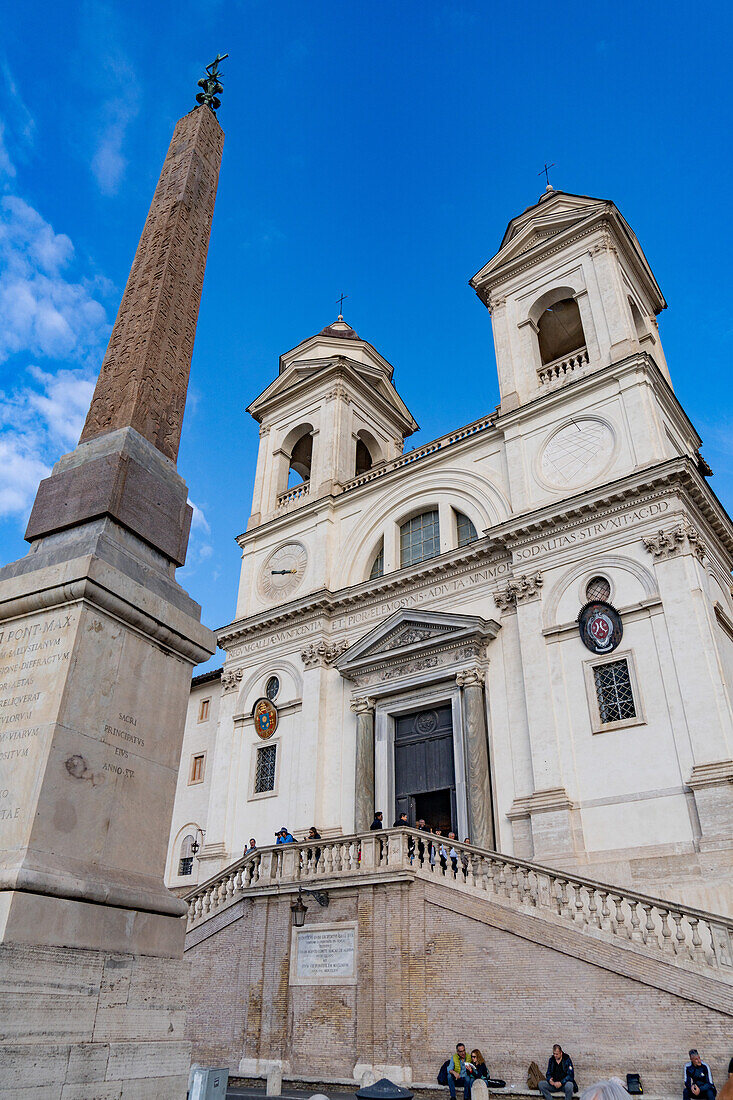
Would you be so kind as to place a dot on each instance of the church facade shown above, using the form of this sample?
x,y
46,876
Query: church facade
x,y
521,632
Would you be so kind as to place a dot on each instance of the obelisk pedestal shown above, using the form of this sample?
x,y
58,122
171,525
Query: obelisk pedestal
x,y
97,644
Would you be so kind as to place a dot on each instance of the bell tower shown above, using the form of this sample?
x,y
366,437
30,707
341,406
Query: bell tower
x,y
332,414
570,291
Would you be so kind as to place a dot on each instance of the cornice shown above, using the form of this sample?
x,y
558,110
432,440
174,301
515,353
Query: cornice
x,y
561,240
679,474
484,552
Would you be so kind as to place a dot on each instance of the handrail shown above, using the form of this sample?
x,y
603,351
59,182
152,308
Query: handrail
x,y
680,931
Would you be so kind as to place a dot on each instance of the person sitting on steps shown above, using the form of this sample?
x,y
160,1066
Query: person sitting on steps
x,y
560,1075
698,1079
457,1074
477,1067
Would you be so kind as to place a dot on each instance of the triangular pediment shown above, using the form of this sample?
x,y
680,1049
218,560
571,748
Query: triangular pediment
x,y
550,217
408,632
303,373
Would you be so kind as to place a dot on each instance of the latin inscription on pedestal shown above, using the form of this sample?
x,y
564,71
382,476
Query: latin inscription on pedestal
x,y
325,955
34,661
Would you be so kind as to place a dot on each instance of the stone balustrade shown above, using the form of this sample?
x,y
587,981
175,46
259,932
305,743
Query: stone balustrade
x,y
559,369
680,933
419,453
293,495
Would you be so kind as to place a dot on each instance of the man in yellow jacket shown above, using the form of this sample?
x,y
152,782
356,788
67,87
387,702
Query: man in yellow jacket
x,y
457,1073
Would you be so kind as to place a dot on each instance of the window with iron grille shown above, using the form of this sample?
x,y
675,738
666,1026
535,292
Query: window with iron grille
x,y
597,588
466,531
420,538
265,769
185,863
613,691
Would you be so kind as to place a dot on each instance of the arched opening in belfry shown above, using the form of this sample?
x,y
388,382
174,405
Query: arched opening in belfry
x,y
368,452
301,459
641,329
560,330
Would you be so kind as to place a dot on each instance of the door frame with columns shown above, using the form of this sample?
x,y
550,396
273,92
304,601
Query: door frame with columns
x,y
411,659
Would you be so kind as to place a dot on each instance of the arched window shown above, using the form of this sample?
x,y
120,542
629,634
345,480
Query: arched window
x,y
420,538
301,458
377,569
560,330
185,863
465,530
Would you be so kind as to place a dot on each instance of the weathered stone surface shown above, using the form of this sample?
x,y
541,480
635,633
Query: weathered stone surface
x,y
144,374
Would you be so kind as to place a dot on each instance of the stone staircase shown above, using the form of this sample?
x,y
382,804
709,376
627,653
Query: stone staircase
x,y
605,917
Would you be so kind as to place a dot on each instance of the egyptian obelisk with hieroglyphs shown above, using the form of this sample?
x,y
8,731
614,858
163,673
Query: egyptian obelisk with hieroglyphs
x,y
97,642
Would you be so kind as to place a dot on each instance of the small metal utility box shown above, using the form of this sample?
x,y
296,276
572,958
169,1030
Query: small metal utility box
x,y
208,1084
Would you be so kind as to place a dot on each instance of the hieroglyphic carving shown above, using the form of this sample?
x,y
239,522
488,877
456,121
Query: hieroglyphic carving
x,y
144,375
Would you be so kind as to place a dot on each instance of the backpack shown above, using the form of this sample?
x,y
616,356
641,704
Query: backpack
x,y
634,1086
443,1073
534,1076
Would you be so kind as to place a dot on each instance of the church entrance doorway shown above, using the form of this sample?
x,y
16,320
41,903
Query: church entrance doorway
x,y
425,783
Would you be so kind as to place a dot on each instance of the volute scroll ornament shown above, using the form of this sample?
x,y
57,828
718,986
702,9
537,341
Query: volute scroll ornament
x,y
323,653
665,544
231,679
518,590
470,677
362,706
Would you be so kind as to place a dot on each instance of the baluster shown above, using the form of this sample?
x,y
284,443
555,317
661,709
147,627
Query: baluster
x,y
650,932
593,917
696,949
514,893
578,913
501,886
603,921
561,894
666,917
636,934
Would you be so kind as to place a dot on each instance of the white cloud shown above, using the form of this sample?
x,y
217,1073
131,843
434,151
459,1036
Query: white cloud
x,y
7,168
36,423
41,311
112,79
44,313
199,521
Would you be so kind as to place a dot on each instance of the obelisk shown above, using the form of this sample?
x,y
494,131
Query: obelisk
x,y
97,643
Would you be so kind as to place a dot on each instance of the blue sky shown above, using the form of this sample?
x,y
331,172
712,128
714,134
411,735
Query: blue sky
x,y
373,148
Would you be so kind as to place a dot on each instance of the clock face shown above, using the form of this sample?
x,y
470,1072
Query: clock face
x,y
577,453
282,572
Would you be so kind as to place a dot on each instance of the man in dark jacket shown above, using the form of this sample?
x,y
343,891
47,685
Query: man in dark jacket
x,y
560,1075
698,1079
401,822
377,823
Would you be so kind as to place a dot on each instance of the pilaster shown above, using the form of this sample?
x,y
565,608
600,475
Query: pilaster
x,y
364,771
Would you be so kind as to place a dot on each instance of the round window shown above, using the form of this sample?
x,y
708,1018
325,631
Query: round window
x,y
272,687
597,588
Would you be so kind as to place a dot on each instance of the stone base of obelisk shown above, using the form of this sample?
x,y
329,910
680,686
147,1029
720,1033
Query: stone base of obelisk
x,y
97,644
91,1025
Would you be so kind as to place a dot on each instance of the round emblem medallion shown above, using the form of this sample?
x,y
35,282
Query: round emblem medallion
x,y
264,713
426,721
600,627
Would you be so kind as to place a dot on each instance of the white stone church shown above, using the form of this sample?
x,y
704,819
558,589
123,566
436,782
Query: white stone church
x,y
521,631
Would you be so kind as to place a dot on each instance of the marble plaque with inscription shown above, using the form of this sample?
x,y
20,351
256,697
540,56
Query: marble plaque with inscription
x,y
324,955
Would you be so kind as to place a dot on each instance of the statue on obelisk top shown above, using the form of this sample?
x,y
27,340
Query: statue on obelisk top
x,y
211,84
